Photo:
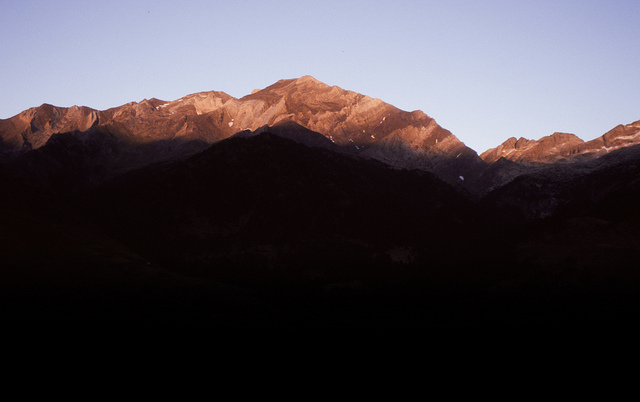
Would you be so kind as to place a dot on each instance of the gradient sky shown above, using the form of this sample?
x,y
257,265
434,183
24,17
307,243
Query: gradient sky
x,y
485,70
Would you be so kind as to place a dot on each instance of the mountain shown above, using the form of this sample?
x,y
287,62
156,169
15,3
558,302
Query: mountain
x,y
255,230
32,128
308,206
369,127
267,207
562,147
154,130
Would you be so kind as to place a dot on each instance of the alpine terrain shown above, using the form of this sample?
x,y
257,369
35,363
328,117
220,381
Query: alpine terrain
x,y
304,205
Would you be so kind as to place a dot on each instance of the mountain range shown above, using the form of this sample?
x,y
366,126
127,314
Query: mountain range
x,y
356,123
305,203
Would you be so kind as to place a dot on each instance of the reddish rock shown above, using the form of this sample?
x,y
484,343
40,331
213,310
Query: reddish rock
x,y
561,147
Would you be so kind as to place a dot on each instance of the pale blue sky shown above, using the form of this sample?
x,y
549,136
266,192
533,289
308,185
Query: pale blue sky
x,y
486,70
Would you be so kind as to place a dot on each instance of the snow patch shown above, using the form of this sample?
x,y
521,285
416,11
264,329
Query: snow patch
x,y
629,137
461,178
373,136
606,149
231,123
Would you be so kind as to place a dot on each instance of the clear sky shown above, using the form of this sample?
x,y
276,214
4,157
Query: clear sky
x,y
485,70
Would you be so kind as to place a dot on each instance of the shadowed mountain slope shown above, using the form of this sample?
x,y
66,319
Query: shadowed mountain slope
x,y
263,231
265,201
301,200
355,123
368,126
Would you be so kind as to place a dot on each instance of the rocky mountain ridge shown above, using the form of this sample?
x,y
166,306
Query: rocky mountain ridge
x,y
564,147
369,127
188,211
153,130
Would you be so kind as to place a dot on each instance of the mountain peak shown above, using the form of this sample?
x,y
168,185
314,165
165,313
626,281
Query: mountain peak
x,y
357,122
563,146
549,148
307,79
563,137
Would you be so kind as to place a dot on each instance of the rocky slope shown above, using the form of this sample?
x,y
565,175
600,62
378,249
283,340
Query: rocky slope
x,y
153,130
562,147
369,127
267,203
272,210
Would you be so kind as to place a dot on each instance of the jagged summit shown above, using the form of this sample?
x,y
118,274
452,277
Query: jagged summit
x,y
221,208
563,147
363,125
308,78
367,126
304,83
547,149
303,80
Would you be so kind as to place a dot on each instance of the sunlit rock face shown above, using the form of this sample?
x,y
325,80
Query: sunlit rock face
x,y
304,108
208,204
562,147
346,117
366,126
33,127
343,116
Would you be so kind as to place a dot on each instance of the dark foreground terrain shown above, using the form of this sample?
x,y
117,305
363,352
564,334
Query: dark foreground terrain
x,y
263,233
